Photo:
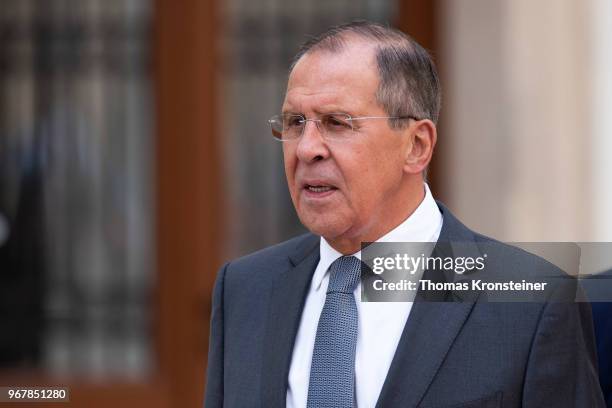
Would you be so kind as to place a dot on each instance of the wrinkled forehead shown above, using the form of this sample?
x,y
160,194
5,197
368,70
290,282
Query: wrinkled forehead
x,y
322,77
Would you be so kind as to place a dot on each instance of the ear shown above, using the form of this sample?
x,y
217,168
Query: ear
x,y
423,136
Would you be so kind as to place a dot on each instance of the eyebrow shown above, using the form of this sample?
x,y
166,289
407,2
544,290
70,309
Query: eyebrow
x,y
291,111
326,109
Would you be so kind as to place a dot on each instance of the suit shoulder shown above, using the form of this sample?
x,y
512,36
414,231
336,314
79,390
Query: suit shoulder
x,y
275,255
507,259
511,262
526,254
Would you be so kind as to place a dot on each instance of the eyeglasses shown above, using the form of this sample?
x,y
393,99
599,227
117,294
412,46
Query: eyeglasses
x,y
334,126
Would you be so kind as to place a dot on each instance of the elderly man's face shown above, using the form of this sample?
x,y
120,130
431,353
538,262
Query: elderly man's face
x,y
350,190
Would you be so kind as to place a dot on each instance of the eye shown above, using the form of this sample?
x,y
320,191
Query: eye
x,y
337,121
292,121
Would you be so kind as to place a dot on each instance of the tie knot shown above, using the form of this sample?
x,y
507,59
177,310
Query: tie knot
x,y
344,274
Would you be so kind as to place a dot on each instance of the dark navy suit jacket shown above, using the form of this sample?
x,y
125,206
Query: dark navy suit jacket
x,y
597,288
455,354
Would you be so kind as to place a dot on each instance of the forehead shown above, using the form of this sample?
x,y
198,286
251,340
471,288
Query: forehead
x,y
324,80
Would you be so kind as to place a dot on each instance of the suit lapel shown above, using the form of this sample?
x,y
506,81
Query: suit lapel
x,y
432,326
429,333
286,304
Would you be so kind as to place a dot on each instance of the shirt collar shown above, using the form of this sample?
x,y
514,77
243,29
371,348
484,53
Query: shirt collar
x,y
423,225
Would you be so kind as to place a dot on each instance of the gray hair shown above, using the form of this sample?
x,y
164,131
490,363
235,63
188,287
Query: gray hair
x,y
409,84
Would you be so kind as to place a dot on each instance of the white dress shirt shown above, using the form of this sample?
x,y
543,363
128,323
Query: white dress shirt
x,y
380,323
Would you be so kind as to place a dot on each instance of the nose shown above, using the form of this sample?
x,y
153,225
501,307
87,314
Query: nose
x,y
311,145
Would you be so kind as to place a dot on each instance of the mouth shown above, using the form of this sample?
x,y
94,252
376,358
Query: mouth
x,y
318,189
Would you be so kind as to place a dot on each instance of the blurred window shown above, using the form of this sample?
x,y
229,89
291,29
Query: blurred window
x,y
75,186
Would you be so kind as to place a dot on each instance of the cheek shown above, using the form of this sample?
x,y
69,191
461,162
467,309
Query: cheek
x,y
371,174
364,192
388,161
289,161
359,173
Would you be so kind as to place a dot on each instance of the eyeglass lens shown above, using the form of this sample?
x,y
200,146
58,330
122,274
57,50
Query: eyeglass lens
x,y
330,125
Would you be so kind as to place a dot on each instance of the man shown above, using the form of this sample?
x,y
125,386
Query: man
x,y
358,127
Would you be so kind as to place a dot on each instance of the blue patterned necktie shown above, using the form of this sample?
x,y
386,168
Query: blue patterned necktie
x,y
332,374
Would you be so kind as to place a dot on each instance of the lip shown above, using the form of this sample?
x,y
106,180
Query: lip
x,y
318,195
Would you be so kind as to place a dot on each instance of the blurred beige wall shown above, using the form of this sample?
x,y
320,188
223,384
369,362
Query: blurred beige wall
x,y
526,137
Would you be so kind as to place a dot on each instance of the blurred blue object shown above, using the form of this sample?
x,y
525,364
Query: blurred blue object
x,y
602,320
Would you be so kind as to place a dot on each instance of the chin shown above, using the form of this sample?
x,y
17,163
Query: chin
x,y
327,228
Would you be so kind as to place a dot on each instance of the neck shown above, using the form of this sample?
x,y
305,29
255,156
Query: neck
x,y
380,225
